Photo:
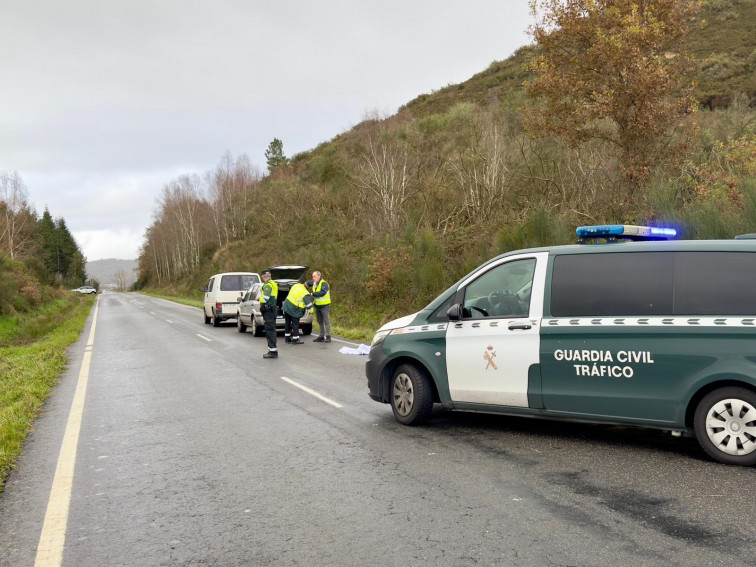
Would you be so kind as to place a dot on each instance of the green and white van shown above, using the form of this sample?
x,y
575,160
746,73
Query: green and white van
x,y
653,333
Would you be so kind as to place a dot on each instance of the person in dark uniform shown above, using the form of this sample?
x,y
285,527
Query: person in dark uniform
x,y
296,304
268,300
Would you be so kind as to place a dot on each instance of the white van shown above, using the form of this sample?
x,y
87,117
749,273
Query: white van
x,y
222,295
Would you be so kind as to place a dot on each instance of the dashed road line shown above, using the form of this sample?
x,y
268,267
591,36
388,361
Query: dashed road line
x,y
205,338
169,321
311,392
53,536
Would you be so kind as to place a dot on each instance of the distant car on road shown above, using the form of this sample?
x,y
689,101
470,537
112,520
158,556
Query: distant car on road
x,y
86,289
248,312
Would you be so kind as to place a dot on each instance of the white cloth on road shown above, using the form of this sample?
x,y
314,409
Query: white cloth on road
x,y
362,349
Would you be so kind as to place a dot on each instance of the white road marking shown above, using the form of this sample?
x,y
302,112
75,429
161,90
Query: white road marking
x,y
153,313
169,321
311,392
53,536
208,340
345,342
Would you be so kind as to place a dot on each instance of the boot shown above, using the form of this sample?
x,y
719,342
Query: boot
x,y
297,342
319,339
271,354
288,339
328,338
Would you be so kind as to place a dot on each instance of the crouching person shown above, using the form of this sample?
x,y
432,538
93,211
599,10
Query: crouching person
x,y
297,303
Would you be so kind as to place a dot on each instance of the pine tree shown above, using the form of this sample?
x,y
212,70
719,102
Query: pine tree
x,y
274,155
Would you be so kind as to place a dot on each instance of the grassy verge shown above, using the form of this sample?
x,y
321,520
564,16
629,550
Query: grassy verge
x,y
352,325
175,298
30,365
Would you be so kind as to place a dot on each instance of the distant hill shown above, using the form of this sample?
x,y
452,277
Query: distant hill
x,y
106,271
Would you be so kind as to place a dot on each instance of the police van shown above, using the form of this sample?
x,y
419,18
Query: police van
x,y
627,327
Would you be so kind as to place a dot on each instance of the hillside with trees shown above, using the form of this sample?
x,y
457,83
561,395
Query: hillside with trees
x,y
619,112
39,257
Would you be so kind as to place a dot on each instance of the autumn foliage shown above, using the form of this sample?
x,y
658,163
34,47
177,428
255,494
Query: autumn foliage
x,y
615,70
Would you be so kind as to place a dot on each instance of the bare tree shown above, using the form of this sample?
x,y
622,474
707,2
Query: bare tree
x,y
16,218
120,280
385,177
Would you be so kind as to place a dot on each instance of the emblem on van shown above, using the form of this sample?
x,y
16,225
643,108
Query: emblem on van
x,y
489,355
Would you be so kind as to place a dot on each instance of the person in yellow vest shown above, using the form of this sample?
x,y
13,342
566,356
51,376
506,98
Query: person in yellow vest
x,y
321,293
297,303
268,308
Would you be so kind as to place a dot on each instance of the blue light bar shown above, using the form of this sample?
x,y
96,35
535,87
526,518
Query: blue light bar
x,y
626,231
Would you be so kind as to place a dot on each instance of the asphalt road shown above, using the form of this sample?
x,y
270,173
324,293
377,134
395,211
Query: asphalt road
x,y
193,450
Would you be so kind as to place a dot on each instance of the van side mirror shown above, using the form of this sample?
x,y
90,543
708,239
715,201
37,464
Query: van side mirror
x,y
455,312
239,299
203,289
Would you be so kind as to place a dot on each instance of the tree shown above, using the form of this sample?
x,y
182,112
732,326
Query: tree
x,y
615,70
274,155
17,219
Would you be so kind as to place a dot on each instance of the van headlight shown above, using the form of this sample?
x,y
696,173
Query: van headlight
x,y
378,338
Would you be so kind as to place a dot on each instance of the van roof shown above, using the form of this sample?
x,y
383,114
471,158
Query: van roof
x,y
741,245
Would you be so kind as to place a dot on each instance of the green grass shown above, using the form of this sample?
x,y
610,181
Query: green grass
x,y
354,326
175,298
29,370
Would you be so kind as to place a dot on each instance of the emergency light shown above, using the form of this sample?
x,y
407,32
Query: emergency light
x,y
625,232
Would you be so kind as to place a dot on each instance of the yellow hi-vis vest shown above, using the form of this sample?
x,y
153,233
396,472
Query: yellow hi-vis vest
x,y
324,300
273,293
297,294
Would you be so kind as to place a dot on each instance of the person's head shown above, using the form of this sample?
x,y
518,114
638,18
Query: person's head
x,y
316,276
265,275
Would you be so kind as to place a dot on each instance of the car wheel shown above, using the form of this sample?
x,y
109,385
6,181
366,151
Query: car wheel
x,y
725,424
216,320
207,319
306,329
241,327
411,395
257,330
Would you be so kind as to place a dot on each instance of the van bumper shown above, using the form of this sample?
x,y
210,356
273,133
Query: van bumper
x,y
374,366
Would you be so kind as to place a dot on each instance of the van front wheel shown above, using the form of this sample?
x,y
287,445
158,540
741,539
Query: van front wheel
x,y
411,395
725,424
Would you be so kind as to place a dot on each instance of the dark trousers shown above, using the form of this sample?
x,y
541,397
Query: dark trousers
x,y
269,316
323,315
291,329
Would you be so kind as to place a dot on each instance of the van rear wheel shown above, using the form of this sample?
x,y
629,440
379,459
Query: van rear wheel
x,y
411,395
725,424
216,320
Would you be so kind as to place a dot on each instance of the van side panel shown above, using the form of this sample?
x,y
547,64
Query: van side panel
x,y
640,370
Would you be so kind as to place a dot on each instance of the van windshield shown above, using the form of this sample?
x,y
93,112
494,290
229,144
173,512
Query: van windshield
x,y
237,282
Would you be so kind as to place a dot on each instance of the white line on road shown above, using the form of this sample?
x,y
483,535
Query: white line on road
x,y
311,392
153,313
53,536
208,340
169,320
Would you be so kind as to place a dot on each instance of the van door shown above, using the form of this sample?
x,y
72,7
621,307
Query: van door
x,y
491,349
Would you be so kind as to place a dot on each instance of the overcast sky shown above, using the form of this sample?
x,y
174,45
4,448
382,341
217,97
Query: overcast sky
x,y
103,102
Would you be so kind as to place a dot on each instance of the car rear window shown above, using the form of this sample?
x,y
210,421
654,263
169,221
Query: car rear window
x,y
237,282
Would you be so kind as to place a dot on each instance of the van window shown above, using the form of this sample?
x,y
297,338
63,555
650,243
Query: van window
x,y
503,291
614,284
237,282
715,283
210,285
